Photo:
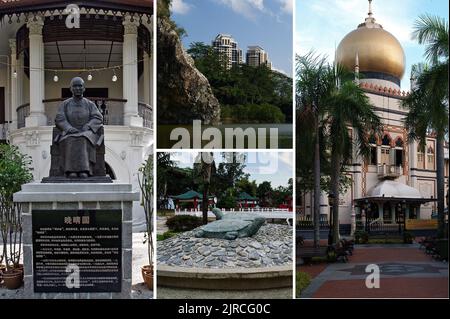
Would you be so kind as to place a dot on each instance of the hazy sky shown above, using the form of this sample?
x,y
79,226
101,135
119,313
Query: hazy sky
x,y
321,24
272,166
267,23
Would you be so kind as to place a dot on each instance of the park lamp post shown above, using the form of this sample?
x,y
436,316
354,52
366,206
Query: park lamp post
x,y
330,229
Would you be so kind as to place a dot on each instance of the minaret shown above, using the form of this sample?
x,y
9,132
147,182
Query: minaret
x,y
357,69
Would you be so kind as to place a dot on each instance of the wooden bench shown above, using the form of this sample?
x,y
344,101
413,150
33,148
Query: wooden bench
x,y
339,251
307,253
347,245
300,241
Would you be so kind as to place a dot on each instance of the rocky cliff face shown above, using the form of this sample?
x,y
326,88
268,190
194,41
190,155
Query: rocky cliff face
x,y
184,94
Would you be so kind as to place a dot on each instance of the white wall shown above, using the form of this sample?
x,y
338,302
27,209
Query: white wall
x,y
102,79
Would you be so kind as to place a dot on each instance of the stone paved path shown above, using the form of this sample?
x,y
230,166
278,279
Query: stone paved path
x,y
406,272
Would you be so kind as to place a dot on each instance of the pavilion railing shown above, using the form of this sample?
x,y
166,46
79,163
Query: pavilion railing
x,y
389,171
22,112
146,112
111,109
379,226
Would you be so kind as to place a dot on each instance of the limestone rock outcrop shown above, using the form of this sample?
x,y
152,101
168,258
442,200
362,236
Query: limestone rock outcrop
x,y
184,93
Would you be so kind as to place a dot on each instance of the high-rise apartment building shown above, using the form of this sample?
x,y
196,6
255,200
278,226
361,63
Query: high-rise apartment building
x,y
226,45
256,56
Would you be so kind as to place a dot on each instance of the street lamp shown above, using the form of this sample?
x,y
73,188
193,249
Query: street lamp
x,y
330,230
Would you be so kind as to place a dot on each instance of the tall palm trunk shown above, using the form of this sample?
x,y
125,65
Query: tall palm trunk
x,y
205,203
440,185
335,171
317,190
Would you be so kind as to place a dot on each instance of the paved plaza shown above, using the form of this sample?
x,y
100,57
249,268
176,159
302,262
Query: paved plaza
x,y
406,272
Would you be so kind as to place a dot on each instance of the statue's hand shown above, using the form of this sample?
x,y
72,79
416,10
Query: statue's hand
x,y
72,130
86,127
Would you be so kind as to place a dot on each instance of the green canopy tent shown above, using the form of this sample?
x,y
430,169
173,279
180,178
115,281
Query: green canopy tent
x,y
190,196
245,200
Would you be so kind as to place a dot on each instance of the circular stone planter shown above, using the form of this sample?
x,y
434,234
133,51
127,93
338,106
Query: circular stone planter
x,y
262,261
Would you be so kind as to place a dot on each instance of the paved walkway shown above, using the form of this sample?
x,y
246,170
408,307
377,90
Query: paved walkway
x,y
406,272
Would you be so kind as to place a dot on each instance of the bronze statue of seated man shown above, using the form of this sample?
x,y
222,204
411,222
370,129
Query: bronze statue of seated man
x,y
79,122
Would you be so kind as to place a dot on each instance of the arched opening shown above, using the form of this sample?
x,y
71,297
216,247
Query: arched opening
x,y
399,152
386,141
420,158
109,171
430,157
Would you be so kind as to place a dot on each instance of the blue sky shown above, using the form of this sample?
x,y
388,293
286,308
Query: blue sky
x,y
321,24
275,167
267,23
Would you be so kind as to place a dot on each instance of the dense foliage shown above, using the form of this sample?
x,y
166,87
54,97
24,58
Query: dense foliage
x,y
247,94
181,223
227,182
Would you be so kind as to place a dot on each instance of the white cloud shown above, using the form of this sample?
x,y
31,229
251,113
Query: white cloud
x,y
180,7
287,158
287,6
245,7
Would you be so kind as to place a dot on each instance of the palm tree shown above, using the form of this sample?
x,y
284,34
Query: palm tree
x,y
346,106
312,86
207,169
428,99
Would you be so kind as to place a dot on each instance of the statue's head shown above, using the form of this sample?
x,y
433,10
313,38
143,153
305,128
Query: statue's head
x,y
77,86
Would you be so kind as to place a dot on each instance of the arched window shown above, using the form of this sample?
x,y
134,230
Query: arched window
x,y
430,158
386,141
386,150
420,158
399,152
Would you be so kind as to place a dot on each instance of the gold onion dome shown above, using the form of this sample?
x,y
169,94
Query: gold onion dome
x,y
379,53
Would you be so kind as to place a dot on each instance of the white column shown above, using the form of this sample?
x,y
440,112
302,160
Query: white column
x,y
13,102
130,73
148,70
37,75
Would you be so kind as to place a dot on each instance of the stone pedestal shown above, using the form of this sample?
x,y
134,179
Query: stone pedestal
x,y
42,204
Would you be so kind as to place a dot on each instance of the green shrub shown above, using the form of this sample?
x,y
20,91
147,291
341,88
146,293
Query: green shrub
x,y
166,235
183,223
361,237
408,238
302,280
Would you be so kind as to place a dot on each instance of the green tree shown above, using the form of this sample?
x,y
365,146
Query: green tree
x,y
163,168
228,199
229,172
145,179
254,94
164,13
347,106
245,185
312,87
15,170
428,100
264,192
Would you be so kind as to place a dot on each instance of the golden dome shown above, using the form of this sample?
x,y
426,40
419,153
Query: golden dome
x,y
378,51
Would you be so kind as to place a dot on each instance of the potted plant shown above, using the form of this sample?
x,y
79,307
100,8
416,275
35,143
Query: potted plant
x,y
14,171
145,179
